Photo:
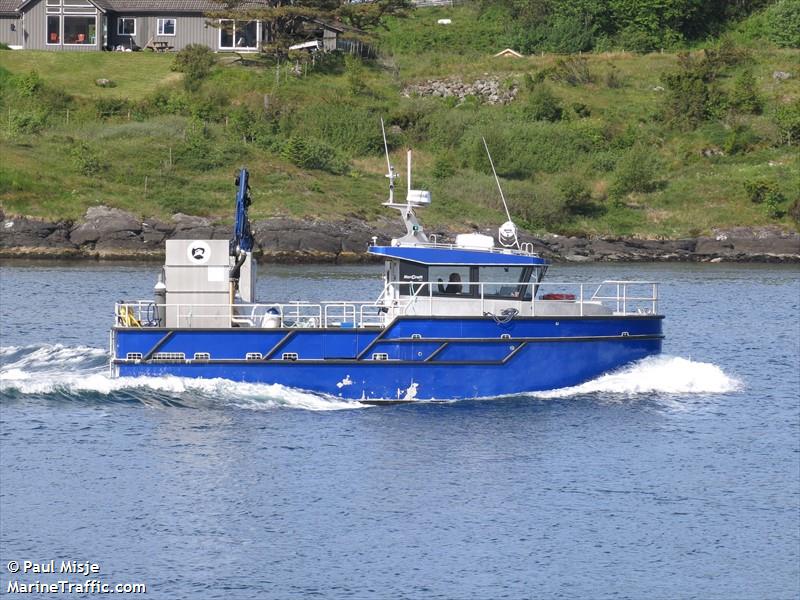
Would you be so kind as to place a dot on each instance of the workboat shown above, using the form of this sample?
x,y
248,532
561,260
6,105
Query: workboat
x,y
468,318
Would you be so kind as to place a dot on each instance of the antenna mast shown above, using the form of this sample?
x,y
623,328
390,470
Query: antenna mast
x,y
508,231
391,174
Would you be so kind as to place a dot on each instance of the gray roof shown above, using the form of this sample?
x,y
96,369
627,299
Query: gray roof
x,y
8,6
163,5
139,6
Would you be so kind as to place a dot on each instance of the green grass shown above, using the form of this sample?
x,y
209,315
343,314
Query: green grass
x,y
40,176
134,73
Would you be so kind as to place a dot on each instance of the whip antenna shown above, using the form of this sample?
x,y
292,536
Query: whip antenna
x,y
507,233
391,175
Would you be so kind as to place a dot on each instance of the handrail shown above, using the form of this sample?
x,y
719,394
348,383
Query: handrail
x,y
623,298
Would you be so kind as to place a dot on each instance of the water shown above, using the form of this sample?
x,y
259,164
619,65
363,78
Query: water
x,y
676,477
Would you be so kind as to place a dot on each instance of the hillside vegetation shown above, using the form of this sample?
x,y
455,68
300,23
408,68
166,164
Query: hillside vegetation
x,y
665,144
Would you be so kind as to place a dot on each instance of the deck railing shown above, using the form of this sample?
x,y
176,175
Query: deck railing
x,y
621,297
417,298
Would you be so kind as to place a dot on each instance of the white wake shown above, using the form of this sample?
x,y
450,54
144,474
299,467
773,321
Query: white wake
x,y
656,374
71,371
79,370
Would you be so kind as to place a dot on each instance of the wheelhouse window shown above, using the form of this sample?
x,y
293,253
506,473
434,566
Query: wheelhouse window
x,y
53,29
166,27
504,282
238,35
126,26
451,280
80,30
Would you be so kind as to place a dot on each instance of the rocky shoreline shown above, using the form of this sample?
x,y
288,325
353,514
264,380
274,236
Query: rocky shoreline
x,y
113,234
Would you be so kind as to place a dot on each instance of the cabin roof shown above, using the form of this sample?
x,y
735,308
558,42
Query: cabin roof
x,y
455,256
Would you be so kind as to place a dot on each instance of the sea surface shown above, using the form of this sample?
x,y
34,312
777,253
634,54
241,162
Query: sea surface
x,y
678,477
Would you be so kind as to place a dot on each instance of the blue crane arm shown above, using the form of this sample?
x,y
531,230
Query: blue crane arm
x,y
242,235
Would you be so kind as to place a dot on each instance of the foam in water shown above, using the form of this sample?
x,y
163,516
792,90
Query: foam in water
x,y
72,371
655,374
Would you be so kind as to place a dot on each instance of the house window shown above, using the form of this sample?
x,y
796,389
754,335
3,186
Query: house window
x,y
126,26
53,30
80,30
238,35
166,27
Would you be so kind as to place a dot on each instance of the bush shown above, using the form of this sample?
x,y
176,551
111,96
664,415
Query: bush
x,y
794,211
773,204
758,190
581,110
86,160
745,97
345,125
195,61
783,23
577,198
787,118
691,96
637,171
354,71
444,166
612,78
309,153
543,105
573,70
29,84
22,122
740,140
110,107
201,152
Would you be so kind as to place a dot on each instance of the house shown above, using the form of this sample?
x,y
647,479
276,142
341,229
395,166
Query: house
x,y
86,25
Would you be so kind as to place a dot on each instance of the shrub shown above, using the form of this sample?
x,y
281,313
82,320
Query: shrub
x,y
773,204
794,211
200,151
740,140
573,70
86,160
22,122
444,166
637,171
577,197
110,107
195,61
543,105
691,97
29,84
783,23
309,153
354,71
612,78
745,97
581,110
787,118
350,128
541,208
758,190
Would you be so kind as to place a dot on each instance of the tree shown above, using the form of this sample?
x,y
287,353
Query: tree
x,y
287,21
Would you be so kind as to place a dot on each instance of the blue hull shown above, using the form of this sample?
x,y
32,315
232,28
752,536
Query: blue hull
x,y
414,358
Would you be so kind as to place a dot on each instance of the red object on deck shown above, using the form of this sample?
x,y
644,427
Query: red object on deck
x,y
558,297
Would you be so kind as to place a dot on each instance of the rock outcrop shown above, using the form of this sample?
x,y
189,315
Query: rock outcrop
x,y
111,233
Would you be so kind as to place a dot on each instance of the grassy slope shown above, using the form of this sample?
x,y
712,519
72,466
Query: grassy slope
x,y
38,175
